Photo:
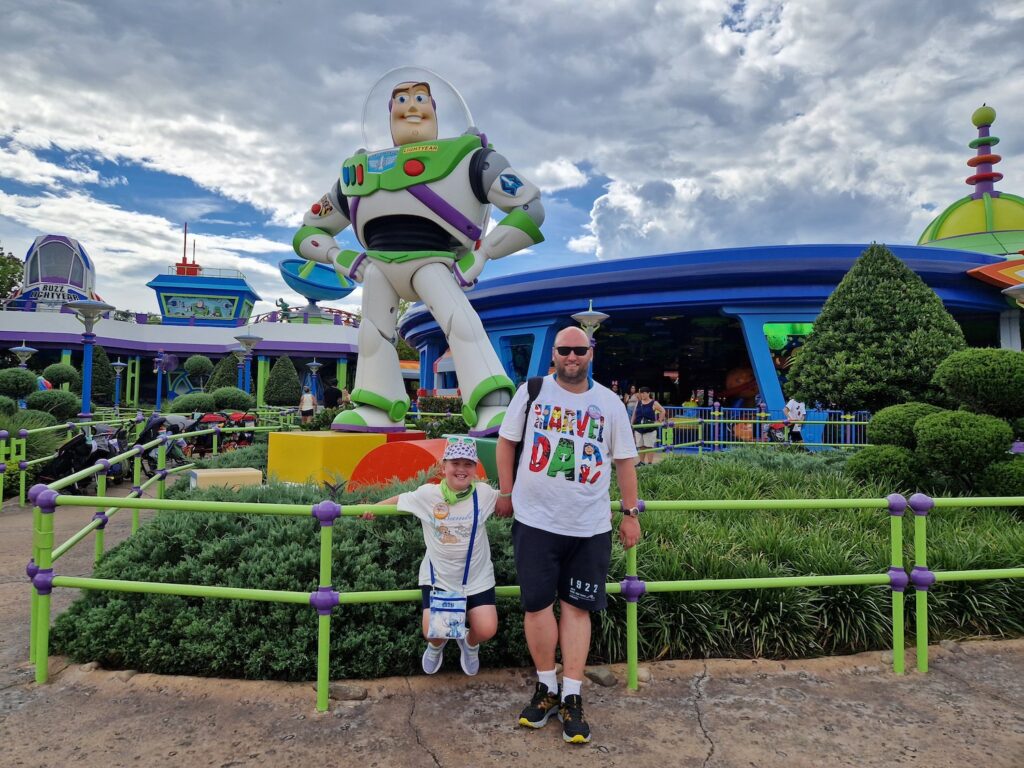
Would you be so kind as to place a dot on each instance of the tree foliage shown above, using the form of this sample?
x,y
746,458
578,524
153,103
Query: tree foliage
x,y
62,373
283,387
17,383
233,398
225,373
63,405
985,381
12,269
878,339
199,368
102,376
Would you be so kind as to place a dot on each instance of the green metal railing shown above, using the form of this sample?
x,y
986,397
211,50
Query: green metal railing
x,y
325,599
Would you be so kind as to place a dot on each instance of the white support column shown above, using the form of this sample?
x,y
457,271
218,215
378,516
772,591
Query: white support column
x,y
1009,329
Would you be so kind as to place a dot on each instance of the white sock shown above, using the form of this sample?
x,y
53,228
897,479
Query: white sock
x,y
550,679
570,687
436,648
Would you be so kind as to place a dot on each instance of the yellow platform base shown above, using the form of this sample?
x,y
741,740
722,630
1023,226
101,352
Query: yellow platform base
x,y
318,457
232,478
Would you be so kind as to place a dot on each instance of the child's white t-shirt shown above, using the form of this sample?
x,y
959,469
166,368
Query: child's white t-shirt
x,y
446,532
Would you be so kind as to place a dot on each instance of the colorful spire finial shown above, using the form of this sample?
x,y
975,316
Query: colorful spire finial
x,y
984,178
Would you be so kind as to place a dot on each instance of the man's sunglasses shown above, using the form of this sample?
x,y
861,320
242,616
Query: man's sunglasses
x,y
565,351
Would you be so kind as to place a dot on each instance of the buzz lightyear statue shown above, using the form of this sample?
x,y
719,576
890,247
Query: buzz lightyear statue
x,y
420,209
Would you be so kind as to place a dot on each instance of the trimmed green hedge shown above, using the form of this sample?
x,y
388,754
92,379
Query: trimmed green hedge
x,y
233,398
961,444
431,404
36,446
261,640
199,369
283,387
7,405
985,381
63,405
62,373
194,402
17,383
874,462
895,425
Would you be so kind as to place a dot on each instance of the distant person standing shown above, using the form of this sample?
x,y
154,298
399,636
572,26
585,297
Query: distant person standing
x,y
631,400
307,405
332,395
795,413
646,416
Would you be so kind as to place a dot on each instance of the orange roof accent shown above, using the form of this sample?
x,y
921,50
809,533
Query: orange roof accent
x,y
409,365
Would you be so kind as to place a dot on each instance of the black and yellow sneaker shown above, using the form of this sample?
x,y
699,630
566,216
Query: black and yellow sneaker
x,y
542,706
574,726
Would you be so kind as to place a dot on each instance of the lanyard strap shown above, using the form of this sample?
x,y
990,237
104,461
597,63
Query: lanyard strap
x,y
469,552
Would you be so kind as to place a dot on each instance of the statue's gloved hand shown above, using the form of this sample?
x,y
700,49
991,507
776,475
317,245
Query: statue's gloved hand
x,y
468,268
350,264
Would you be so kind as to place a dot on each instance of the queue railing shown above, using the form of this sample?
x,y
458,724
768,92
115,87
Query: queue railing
x,y
325,599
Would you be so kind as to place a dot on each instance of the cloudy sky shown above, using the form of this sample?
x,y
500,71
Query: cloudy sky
x,y
651,127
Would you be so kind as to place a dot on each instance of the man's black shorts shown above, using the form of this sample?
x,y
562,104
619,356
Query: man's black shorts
x,y
551,565
795,436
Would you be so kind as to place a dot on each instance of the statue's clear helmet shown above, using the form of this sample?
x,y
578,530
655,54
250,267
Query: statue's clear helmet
x,y
446,106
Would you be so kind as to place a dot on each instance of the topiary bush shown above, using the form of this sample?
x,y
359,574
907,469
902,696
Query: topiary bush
x,y
225,374
961,444
102,376
199,369
895,425
1002,478
62,373
194,402
17,383
7,405
283,386
63,405
875,463
985,381
878,339
233,398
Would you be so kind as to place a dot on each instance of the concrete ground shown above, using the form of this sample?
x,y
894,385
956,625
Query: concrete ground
x,y
849,711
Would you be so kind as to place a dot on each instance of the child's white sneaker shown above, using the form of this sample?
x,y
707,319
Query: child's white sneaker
x,y
469,657
433,657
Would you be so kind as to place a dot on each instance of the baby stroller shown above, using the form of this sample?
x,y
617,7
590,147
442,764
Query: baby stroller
x,y
174,454
199,447
72,456
776,433
107,442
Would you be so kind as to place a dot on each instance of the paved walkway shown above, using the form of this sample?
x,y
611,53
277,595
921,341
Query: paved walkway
x,y
850,711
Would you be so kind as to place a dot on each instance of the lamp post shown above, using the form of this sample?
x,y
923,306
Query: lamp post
x,y
248,342
118,370
240,355
590,320
23,353
314,368
158,369
88,312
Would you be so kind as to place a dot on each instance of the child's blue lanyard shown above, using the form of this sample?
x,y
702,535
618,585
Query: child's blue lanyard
x,y
469,552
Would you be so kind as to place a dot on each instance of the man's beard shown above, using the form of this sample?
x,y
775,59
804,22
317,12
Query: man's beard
x,y
571,378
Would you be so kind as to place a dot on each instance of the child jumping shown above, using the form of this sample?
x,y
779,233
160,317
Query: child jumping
x,y
458,557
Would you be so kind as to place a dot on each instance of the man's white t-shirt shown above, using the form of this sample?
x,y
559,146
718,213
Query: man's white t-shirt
x,y
797,412
446,532
565,468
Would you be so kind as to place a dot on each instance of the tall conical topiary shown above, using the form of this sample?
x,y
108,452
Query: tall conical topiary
x,y
225,374
878,339
283,387
102,386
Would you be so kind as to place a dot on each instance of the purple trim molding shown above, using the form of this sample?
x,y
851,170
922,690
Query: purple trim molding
x,y
489,432
357,428
355,264
324,599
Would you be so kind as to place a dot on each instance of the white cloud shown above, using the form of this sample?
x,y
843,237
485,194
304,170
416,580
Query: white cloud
x,y
554,175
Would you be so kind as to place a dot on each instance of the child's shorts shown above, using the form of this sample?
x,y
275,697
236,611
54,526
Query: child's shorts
x,y
487,597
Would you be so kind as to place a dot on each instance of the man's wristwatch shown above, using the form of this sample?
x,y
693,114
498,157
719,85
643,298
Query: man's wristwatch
x,y
633,511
